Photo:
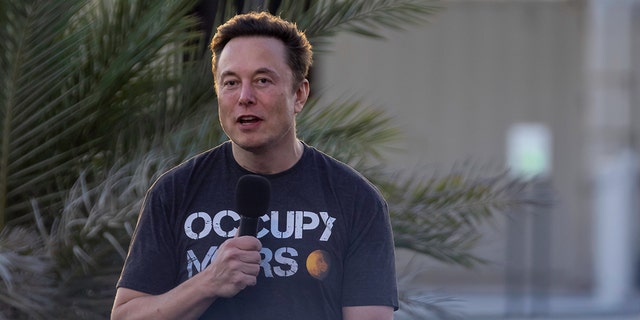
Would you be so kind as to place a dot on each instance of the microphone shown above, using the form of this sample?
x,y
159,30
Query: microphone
x,y
253,194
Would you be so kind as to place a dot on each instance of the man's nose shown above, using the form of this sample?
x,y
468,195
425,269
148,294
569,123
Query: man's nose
x,y
247,96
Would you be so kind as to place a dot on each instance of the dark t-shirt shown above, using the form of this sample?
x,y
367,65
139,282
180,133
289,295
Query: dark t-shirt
x,y
327,240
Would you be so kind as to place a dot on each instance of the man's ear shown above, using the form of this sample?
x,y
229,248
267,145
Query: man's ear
x,y
302,94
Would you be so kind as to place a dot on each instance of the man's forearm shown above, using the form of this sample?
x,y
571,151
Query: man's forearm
x,y
184,302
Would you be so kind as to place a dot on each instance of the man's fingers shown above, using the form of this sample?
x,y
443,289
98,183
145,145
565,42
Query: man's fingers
x,y
247,243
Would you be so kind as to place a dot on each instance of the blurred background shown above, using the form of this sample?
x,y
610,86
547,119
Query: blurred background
x,y
545,87
504,134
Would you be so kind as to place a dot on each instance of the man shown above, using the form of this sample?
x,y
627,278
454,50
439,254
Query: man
x,y
323,251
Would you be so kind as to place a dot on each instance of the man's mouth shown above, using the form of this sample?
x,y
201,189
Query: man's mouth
x,y
248,119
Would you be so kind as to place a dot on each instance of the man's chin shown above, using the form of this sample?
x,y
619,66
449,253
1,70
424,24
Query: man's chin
x,y
253,147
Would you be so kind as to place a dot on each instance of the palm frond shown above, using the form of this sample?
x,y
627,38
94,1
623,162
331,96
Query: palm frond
x,y
80,74
91,237
324,19
34,39
27,274
440,216
348,130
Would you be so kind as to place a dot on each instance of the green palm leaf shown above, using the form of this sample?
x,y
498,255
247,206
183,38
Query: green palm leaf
x,y
35,39
440,216
347,130
82,79
366,18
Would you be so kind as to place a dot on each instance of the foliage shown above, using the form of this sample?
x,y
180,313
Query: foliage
x,y
100,97
81,80
28,279
347,131
458,204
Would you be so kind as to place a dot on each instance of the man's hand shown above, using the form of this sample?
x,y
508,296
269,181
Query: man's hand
x,y
235,266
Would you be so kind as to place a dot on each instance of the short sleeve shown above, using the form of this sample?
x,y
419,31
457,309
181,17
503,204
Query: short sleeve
x,y
369,268
151,265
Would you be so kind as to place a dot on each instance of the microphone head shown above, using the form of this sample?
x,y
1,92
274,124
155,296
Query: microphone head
x,y
253,194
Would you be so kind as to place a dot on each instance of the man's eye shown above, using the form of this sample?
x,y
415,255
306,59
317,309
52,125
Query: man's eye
x,y
229,83
263,81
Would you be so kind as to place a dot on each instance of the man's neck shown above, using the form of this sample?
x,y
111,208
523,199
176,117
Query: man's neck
x,y
270,161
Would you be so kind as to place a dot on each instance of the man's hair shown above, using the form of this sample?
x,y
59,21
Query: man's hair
x,y
298,49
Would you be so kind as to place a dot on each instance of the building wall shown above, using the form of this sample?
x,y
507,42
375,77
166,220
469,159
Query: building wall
x,y
455,85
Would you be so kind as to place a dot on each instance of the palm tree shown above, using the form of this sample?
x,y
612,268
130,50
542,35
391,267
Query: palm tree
x,y
101,96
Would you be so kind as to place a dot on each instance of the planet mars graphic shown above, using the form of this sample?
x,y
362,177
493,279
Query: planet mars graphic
x,y
318,264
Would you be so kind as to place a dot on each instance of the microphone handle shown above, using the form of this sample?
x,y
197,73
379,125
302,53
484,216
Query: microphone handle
x,y
248,226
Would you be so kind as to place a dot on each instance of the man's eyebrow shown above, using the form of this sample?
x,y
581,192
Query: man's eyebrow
x,y
258,71
227,73
267,71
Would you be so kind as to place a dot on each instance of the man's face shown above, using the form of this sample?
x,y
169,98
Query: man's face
x,y
256,103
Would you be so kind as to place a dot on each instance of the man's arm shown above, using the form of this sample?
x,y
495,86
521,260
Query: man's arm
x,y
132,304
236,265
367,313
